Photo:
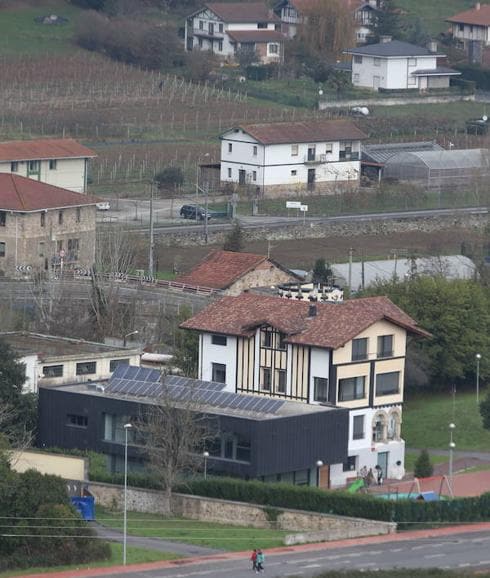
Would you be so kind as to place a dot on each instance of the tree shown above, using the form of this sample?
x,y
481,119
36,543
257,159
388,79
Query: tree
x,y
387,21
322,272
234,239
485,411
186,346
423,467
169,177
246,56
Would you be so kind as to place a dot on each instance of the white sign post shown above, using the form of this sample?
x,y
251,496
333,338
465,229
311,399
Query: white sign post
x,y
304,210
293,205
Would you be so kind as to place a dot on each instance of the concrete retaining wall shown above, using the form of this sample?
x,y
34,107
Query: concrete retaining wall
x,y
307,526
393,101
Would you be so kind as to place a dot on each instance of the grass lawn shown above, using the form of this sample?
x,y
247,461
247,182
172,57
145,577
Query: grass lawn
x,y
20,34
432,13
411,458
134,556
399,573
220,536
426,419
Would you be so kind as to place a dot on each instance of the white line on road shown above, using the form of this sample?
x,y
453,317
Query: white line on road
x,y
427,556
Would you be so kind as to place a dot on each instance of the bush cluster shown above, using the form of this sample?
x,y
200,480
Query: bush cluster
x,y
479,76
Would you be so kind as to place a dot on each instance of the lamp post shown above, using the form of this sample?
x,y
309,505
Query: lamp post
x,y
478,357
128,335
318,464
205,455
127,427
452,445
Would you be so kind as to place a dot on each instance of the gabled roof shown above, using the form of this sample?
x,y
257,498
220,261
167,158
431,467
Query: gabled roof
x,y
220,269
23,195
438,71
392,49
43,149
310,131
475,16
380,153
256,36
241,11
305,5
333,326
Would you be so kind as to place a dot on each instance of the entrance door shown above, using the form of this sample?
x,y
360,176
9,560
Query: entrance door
x,y
383,463
324,477
376,82
241,177
311,179
211,29
311,152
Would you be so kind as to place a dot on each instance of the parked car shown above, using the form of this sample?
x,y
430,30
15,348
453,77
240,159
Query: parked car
x,y
193,211
103,206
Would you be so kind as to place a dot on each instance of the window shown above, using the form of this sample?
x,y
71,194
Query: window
x,y
14,167
53,371
218,339
262,25
461,27
388,383
282,341
33,166
266,338
115,362
412,80
294,150
3,218
59,246
346,153
79,213
2,248
394,426
302,478
219,372
328,148
265,378
229,173
220,46
230,147
358,427
320,387
73,247
201,25
86,368
254,175
199,42
356,78
350,465
53,164
377,62
294,173
243,449
385,346
379,428
351,388
281,380
357,59
228,446
43,219
77,420
220,28
359,349
273,48
60,218
255,150
41,248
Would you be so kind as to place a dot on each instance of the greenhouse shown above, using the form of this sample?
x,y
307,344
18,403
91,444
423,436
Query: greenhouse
x,y
436,169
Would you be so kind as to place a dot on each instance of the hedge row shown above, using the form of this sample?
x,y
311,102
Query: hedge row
x,y
476,74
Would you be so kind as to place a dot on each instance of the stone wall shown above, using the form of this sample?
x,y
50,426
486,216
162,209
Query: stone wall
x,y
393,101
307,526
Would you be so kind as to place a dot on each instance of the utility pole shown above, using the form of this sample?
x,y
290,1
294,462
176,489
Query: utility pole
x,y
362,270
206,188
351,250
152,244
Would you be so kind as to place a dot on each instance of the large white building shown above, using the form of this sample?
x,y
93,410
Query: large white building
x,y
349,355
471,29
59,162
292,157
225,28
395,65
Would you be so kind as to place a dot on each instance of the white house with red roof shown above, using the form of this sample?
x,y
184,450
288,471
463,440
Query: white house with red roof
x,y
43,227
472,29
349,354
224,28
292,157
59,162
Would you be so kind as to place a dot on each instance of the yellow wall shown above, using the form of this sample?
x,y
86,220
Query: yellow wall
x,y
68,467
354,370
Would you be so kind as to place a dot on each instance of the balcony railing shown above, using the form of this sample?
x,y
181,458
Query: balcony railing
x,y
348,156
208,34
315,159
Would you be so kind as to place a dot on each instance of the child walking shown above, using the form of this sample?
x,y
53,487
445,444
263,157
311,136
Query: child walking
x,y
253,559
260,561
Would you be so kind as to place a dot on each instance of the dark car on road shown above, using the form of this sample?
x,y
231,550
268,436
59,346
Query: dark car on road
x,y
193,212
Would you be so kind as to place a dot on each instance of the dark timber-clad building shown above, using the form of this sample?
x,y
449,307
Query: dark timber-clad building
x,y
256,437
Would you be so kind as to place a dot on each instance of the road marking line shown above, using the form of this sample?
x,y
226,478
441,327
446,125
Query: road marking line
x,y
395,549
434,556
312,566
465,565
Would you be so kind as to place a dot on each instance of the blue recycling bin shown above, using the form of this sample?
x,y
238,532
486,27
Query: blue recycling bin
x,y
85,507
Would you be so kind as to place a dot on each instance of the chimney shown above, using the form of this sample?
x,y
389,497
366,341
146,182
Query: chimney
x,y
432,46
477,6
312,311
385,38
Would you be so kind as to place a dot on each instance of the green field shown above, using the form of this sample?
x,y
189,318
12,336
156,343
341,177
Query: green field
x,y
411,458
432,13
400,573
219,536
426,419
134,556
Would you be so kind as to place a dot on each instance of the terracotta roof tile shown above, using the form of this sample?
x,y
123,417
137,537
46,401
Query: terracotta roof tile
x,y
304,131
334,325
29,150
242,11
256,36
22,194
220,269
478,17
306,5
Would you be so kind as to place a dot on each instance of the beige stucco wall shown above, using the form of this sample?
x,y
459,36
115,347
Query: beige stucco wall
x,y
68,467
265,275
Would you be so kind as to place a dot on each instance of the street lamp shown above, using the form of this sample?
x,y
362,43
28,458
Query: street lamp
x,y
127,427
318,464
128,335
478,357
452,445
205,455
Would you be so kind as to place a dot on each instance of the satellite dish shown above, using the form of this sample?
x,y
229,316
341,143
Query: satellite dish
x,y
484,118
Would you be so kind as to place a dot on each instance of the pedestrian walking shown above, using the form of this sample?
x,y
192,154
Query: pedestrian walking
x,y
253,559
370,478
380,477
260,561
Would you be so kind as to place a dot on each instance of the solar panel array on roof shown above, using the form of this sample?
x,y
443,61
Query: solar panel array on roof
x,y
179,380
124,371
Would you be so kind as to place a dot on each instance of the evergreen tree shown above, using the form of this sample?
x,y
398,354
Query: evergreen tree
x,y
322,272
423,467
234,239
485,411
186,351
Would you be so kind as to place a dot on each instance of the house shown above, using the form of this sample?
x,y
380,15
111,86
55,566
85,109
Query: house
x,y
226,28
395,65
293,14
471,29
234,272
43,227
274,159
53,361
254,436
59,162
349,354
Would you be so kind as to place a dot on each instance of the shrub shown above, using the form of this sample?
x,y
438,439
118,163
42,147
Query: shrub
x,y
423,467
169,177
485,411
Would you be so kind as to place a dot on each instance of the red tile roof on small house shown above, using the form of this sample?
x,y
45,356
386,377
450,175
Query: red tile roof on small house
x,y
257,36
242,11
310,131
43,149
332,327
220,269
306,5
475,16
22,194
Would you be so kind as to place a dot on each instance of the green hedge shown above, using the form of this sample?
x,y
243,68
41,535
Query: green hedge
x,y
476,74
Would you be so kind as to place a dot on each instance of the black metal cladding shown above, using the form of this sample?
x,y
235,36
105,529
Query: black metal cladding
x,y
278,444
